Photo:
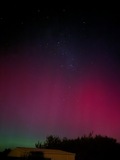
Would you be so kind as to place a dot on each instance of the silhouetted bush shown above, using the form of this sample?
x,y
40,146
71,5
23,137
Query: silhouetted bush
x,y
86,148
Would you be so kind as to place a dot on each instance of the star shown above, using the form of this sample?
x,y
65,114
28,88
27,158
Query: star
x,y
22,22
63,10
1,20
84,22
38,11
58,43
47,17
61,66
71,67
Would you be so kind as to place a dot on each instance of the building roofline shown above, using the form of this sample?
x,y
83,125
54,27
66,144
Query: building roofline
x,y
27,149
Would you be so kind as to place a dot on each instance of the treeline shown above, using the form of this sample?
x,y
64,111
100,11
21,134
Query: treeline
x,y
86,147
4,154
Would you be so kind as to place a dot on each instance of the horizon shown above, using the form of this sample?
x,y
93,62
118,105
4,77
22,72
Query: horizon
x,y
32,144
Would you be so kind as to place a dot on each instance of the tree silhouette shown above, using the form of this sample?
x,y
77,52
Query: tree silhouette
x,y
52,142
86,147
39,145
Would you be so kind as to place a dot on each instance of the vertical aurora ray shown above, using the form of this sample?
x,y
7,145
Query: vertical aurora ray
x,y
59,74
38,101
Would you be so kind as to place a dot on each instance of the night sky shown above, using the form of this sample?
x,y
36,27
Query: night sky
x,y
59,72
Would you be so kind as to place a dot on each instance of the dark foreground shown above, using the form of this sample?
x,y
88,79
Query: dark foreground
x,y
85,148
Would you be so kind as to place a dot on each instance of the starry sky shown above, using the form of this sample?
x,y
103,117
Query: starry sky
x,y
59,72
